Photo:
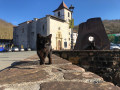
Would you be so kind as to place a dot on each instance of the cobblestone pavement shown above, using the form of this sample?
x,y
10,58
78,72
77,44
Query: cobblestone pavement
x,y
7,58
61,75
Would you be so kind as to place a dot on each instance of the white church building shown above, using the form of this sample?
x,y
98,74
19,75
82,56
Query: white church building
x,y
58,25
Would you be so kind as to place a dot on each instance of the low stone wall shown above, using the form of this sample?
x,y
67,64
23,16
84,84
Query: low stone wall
x,y
60,75
105,63
91,59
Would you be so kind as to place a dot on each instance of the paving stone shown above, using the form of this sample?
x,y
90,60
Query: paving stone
x,y
75,86
2,88
65,86
55,60
58,60
55,70
80,76
90,75
71,76
107,86
25,86
19,75
61,62
72,67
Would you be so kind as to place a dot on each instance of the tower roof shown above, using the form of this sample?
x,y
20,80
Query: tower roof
x,y
62,5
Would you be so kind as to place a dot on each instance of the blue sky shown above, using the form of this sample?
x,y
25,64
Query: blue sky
x,y
18,11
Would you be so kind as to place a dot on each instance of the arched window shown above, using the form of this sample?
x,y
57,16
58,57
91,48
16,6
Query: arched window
x,y
58,13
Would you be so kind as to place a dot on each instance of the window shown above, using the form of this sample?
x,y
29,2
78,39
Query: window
x,y
65,44
32,33
23,30
69,39
69,33
68,14
58,28
43,27
58,14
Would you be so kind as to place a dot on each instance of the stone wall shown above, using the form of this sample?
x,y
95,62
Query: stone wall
x,y
60,75
20,35
104,63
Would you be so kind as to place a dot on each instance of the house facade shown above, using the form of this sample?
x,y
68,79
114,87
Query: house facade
x,y
58,25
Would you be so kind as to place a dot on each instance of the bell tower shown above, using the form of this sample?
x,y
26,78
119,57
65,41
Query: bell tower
x,y
63,12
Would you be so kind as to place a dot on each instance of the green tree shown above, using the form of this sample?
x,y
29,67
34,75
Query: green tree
x,y
111,38
71,24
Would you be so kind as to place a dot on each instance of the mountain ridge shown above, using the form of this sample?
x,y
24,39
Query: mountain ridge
x,y
111,26
6,30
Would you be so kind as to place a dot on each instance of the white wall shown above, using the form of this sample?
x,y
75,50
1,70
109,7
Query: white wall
x,y
63,14
66,15
64,30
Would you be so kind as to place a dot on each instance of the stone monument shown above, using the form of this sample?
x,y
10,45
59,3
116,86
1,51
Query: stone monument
x,y
92,36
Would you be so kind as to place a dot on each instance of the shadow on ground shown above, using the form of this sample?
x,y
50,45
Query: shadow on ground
x,y
22,65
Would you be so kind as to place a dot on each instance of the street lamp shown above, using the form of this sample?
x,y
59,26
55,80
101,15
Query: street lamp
x,y
71,8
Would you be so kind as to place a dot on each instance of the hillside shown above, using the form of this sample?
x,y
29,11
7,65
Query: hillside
x,y
111,26
6,30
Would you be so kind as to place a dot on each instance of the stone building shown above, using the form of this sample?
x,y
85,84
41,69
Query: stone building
x,y
57,25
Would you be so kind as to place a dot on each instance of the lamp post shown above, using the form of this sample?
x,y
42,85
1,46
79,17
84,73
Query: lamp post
x,y
71,9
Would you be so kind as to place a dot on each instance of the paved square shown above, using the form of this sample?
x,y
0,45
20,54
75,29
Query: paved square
x,y
7,58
